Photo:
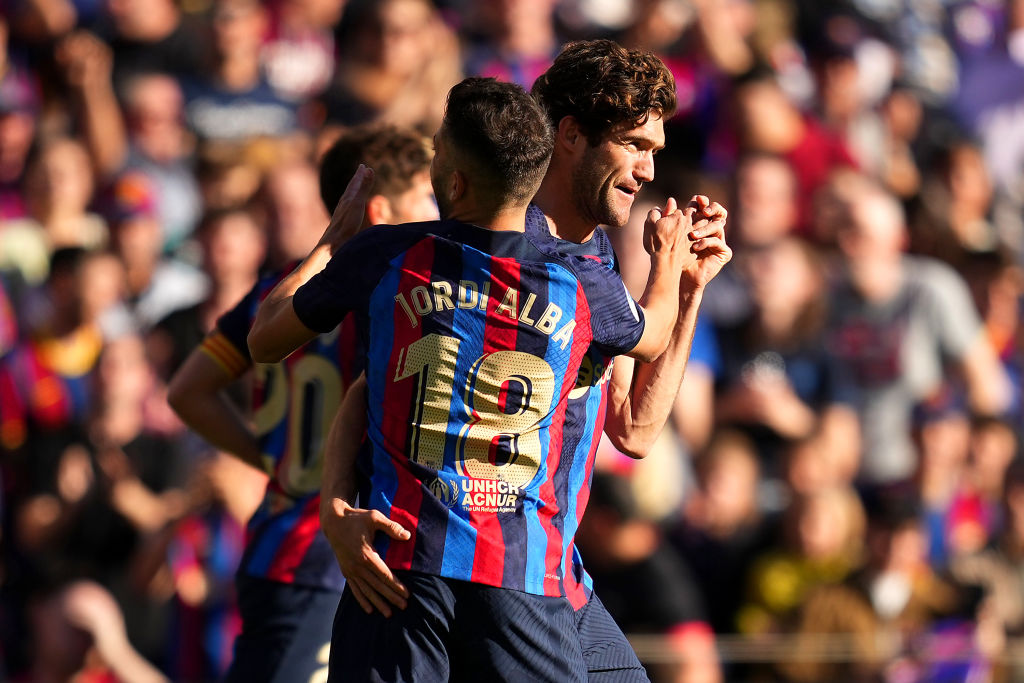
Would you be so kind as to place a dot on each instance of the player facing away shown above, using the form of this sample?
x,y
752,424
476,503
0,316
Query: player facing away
x,y
289,583
607,105
474,339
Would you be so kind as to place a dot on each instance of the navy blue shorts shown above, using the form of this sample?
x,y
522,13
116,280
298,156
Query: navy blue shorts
x,y
607,653
286,632
458,631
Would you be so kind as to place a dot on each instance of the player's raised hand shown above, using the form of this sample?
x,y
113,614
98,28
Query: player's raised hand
x,y
708,243
666,232
348,215
350,532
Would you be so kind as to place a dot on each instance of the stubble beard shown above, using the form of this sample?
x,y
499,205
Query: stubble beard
x,y
592,199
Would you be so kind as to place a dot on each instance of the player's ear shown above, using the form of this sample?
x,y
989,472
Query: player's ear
x,y
569,134
456,186
378,210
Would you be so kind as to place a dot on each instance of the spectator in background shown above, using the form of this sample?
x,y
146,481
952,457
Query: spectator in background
x,y
942,433
397,62
988,102
48,372
650,587
58,188
86,64
779,380
160,146
232,101
233,246
999,568
767,121
230,175
764,210
511,40
79,634
299,52
899,323
954,217
150,35
19,107
723,528
156,285
290,198
823,541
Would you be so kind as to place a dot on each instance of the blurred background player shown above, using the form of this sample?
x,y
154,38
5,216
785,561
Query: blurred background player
x,y
289,583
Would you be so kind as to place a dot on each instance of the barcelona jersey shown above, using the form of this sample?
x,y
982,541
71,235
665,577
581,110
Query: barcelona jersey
x,y
294,403
474,342
587,404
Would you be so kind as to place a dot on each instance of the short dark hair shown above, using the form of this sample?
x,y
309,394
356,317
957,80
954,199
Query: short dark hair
x,y
602,85
502,133
395,154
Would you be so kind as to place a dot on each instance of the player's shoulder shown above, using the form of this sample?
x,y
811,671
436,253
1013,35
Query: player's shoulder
x,y
597,249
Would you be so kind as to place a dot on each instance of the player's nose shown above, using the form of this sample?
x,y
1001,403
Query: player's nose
x,y
643,171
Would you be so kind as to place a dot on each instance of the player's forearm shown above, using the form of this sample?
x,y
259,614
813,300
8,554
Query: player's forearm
x,y
196,395
217,420
342,447
276,331
660,303
642,393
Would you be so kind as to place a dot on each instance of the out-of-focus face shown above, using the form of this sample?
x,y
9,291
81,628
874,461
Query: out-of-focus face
x,y
123,372
155,116
969,181
823,526
138,240
17,128
417,203
238,27
780,277
62,176
877,230
607,177
766,200
297,213
766,118
234,248
730,490
101,283
401,36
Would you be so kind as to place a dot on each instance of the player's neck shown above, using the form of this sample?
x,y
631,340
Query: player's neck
x,y
509,219
554,198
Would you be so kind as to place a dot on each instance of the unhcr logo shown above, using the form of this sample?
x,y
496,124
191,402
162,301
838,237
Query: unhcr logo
x,y
447,493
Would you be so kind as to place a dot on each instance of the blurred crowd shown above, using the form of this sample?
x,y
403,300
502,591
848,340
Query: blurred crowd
x,y
841,488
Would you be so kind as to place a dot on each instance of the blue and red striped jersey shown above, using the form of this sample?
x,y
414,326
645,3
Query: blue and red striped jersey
x,y
587,404
294,402
474,343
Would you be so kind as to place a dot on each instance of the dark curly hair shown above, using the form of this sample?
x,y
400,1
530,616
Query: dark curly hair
x,y
602,84
395,154
502,133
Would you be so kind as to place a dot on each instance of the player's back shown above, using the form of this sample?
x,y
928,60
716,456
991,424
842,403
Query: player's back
x,y
474,339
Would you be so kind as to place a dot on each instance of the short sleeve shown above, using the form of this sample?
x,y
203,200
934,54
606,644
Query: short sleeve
x,y
954,315
234,325
616,319
351,274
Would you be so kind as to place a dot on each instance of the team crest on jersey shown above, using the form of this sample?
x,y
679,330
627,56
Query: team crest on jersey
x,y
590,375
444,491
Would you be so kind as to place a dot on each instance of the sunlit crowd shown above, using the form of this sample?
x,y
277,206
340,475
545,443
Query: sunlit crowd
x,y
839,494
